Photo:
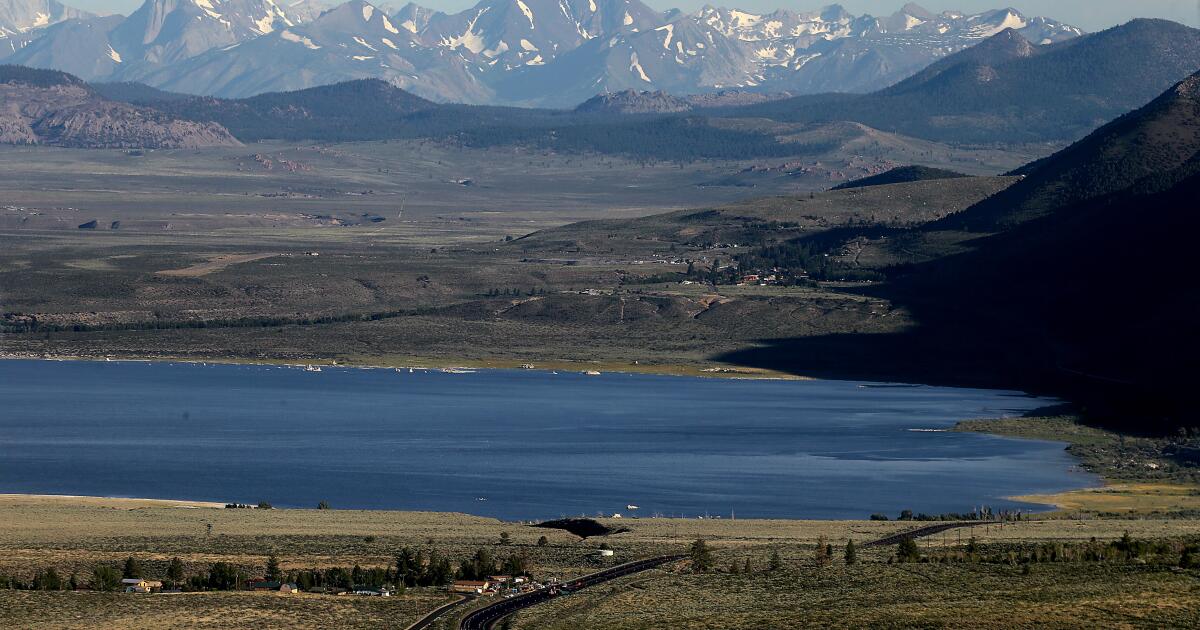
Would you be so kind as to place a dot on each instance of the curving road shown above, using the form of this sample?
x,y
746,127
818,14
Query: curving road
x,y
486,618
436,614
928,530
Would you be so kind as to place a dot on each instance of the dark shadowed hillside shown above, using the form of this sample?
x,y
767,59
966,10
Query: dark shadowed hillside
x,y
1147,143
1006,90
1091,297
901,175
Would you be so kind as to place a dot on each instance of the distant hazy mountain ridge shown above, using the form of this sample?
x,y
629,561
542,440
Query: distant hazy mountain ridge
x,y
529,52
1007,89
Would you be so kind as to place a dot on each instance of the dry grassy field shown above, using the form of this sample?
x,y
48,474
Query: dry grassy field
x,y
882,595
63,609
74,534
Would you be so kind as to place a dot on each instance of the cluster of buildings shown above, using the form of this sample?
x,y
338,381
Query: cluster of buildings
x,y
287,587
140,585
494,585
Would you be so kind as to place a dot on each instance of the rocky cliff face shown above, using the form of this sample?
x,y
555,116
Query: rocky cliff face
x,y
634,102
54,108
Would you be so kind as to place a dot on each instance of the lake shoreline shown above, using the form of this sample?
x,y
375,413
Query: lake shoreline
x,y
137,503
410,363
1118,494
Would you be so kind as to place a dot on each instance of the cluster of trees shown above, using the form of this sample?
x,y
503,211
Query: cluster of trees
x,y
104,577
341,577
984,513
483,564
411,568
44,580
262,505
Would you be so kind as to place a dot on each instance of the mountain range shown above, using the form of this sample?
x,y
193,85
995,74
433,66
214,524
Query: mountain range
x,y
550,53
1009,89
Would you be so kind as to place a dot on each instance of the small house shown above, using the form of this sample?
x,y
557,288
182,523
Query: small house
x,y
499,579
139,585
469,586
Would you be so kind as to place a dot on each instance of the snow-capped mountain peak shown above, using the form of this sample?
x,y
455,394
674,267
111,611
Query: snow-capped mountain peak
x,y
534,52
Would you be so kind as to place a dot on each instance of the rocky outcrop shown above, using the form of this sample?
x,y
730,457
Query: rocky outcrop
x,y
634,102
54,108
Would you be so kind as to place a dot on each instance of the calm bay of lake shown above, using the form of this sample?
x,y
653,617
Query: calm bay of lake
x,y
513,444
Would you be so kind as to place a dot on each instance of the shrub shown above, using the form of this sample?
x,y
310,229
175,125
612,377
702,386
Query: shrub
x,y
907,551
701,556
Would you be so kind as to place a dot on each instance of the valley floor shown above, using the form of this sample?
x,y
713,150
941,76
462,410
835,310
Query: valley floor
x,y
73,535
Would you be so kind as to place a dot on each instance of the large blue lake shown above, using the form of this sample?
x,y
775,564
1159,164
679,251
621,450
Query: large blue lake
x,y
511,444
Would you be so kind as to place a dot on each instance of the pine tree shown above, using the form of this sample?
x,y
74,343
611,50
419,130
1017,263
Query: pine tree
x,y
701,556
851,552
133,568
822,556
273,572
175,571
776,563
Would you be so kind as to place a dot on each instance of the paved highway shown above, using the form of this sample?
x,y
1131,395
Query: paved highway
x,y
922,532
486,618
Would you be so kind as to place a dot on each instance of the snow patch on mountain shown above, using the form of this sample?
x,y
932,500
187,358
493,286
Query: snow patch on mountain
x,y
636,66
299,39
527,12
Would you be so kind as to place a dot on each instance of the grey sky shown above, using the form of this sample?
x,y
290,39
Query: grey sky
x,y
1092,15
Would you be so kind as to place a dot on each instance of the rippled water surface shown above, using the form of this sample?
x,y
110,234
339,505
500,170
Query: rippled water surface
x,y
511,444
